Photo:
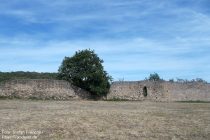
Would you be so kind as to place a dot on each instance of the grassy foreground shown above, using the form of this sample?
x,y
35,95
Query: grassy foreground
x,y
103,120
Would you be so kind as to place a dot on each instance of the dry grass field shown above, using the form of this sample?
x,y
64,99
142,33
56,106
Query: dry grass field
x,y
103,120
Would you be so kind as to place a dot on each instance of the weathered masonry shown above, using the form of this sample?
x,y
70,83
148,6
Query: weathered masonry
x,y
160,91
139,90
41,89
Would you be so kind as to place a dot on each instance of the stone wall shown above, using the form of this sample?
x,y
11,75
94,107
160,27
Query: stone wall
x,y
62,90
187,91
41,89
160,91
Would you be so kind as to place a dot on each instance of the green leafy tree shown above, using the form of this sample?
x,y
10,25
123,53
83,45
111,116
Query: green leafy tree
x,y
154,77
86,71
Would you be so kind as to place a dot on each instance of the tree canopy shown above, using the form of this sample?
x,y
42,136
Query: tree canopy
x,y
85,70
154,77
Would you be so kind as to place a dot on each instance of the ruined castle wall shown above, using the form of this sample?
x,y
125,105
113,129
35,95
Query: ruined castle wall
x,y
187,91
62,90
160,91
41,89
134,90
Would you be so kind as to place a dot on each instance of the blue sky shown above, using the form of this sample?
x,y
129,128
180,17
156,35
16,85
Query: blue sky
x,y
133,37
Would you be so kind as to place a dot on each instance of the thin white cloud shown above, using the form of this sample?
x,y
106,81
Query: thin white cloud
x,y
130,36
119,55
